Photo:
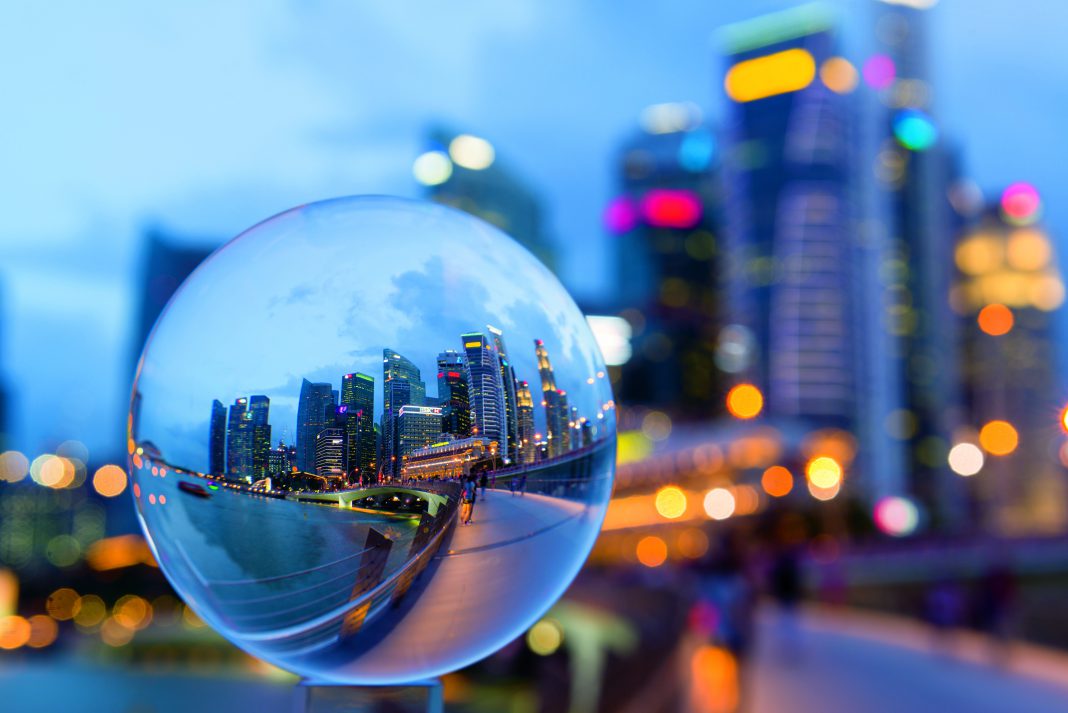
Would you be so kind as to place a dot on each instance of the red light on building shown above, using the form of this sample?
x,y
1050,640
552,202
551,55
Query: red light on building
x,y
454,375
663,208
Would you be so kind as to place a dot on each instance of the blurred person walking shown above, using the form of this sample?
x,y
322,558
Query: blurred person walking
x,y
467,500
787,588
482,482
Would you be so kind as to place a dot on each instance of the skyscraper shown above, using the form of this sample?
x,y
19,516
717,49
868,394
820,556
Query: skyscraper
x,y
358,395
790,254
330,453
527,435
239,434
475,182
557,412
510,450
402,385
280,460
316,401
417,427
1007,289
217,439
666,222
486,389
259,410
454,394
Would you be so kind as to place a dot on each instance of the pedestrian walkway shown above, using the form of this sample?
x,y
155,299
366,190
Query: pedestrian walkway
x,y
850,662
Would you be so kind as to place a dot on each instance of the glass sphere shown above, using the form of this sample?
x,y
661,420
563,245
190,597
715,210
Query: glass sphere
x,y
372,440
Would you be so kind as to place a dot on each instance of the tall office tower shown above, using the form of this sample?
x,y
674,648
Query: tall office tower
x,y
462,171
554,400
914,170
527,435
486,389
167,261
259,408
1007,289
790,255
358,394
217,439
280,459
330,453
239,436
666,223
575,424
402,384
454,394
511,413
417,427
316,399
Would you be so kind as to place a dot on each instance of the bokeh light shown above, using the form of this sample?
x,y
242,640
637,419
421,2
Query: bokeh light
x,y
879,71
995,320
545,637
839,75
15,632
671,502
896,516
719,503
621,215
43,631
1028,249
745,401
671,208
966,459
914,130
777,481
824,472
471,152
779,73
999,438
109,480
14,466
1020,204
652,551
432,168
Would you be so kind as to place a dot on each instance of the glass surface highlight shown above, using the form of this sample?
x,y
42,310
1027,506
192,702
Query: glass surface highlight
x,y
317,407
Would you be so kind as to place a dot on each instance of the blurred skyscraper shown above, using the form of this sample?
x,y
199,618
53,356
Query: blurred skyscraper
x,y
402,385
217,439
790,260
239,440
914,171
554,400
1007,288
259,408
454,393
417,427
167,261
527,435
330,453
665,220
511,414
462,171
316,399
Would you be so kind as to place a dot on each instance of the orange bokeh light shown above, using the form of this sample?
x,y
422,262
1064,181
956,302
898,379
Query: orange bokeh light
x,y
999,438
995,320
652,551
777,481
1064,419
745,401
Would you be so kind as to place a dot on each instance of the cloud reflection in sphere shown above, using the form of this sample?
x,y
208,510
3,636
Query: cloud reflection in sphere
x,y
307,415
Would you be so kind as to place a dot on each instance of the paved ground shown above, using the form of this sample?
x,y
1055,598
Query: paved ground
x,y
852,664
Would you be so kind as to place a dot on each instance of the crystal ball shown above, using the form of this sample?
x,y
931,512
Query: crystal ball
x,y
372,440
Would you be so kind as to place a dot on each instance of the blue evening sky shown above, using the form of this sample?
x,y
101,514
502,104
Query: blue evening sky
x,y
205,117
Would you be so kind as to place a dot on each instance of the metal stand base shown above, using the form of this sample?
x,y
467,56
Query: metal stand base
x,y
418,697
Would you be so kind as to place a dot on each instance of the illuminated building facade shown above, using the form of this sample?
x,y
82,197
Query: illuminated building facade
x,y
666,224
486,388
454,394
554,401
448,459
239,441
527,435
259,410
316,401
217,439
1007,288
790,256
330,453
282,459
402,385
358,398
511,413
417,427
462,171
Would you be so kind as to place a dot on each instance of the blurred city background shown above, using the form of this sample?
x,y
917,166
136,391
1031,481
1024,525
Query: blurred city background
x,y
818,244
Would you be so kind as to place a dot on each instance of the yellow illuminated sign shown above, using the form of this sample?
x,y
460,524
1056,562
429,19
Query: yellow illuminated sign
x,y
472,344
768,76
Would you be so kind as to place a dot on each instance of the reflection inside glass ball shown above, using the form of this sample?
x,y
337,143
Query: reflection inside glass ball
x,y
372,440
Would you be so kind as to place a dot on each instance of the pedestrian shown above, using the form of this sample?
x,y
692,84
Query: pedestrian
x,y
482,482
467,501
522,485
512,483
